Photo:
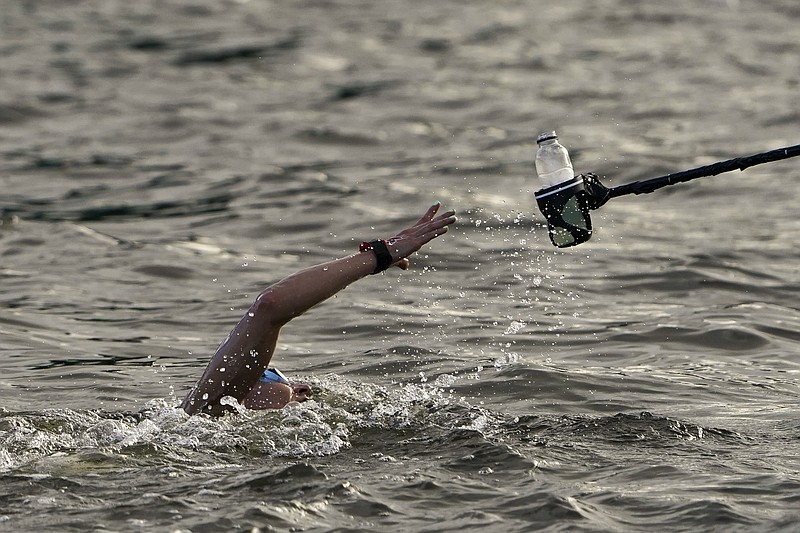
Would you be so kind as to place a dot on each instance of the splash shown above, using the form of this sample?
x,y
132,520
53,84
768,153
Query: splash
x,y
30,440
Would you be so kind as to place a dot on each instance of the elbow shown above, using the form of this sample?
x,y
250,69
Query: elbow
x,y
267,309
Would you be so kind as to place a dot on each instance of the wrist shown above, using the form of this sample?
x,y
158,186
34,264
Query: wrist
x,y
383,258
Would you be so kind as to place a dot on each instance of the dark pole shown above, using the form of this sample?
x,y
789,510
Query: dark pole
x,y
739,163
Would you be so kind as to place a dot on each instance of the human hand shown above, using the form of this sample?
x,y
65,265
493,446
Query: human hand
x,y
422,232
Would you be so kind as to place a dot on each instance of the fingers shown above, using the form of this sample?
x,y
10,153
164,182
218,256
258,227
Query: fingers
x,y
433,233
447,218
429,213
425,230
423,234
442,221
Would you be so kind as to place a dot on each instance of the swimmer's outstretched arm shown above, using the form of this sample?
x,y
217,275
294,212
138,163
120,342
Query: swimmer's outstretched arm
x,y
244,355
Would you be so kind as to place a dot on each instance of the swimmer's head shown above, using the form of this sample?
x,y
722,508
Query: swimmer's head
x,y
273,375
275,391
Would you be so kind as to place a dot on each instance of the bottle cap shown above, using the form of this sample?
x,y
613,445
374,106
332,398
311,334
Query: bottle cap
x,y
546,136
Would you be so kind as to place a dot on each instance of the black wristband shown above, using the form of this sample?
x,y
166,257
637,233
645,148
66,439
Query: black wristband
x,y
382,255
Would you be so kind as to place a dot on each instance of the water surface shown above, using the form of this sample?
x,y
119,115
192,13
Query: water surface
x,y
161,163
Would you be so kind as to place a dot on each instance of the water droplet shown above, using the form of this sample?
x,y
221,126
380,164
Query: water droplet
x,y
251,314
205,396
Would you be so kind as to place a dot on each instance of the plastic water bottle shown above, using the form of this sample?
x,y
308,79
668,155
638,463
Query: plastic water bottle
x,y
552,160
